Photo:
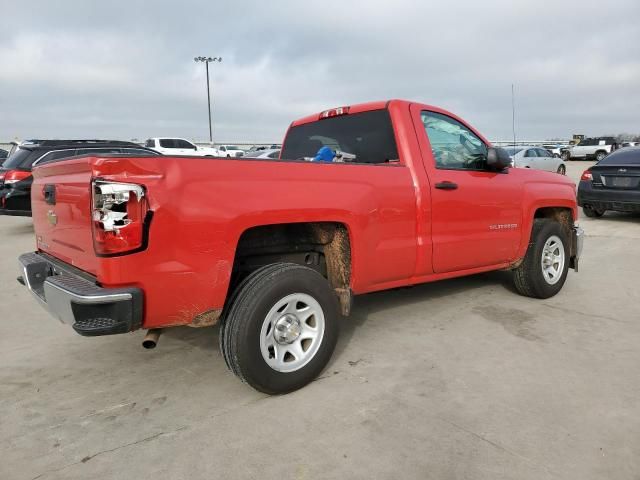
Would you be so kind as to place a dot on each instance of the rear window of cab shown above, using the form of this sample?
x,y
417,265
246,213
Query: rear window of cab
x,y
368,136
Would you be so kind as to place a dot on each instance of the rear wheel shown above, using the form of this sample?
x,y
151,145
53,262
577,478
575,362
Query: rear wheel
x,y
593,212
600,155
562,170
544,269
281,328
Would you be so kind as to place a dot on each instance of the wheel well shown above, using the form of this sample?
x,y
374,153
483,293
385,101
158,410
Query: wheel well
x,y
559,214
564,216
323,246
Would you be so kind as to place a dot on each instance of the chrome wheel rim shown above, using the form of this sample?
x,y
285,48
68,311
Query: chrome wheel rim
x,y
552,261
292,332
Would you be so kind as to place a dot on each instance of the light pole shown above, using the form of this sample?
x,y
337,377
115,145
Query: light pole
x,y
206,61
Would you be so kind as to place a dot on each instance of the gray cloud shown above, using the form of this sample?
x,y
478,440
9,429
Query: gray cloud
x,y
125,69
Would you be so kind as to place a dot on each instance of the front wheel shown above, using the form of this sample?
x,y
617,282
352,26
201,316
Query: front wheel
x,y
281,328
566,156
544,269
562,170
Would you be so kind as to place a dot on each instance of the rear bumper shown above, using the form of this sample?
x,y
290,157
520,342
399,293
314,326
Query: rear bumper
x,y
15,202
15,213
608,199
73,297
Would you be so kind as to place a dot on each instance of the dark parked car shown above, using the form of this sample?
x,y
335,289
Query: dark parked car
x,y
612,184
15,172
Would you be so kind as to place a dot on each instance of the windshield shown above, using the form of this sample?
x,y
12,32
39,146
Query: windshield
x,y
366,137
512,150
16,159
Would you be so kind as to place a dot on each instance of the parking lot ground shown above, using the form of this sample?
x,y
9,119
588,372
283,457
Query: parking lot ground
x,y
461,379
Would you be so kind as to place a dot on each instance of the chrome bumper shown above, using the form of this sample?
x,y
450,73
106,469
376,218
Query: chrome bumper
x,y
577,242
75,299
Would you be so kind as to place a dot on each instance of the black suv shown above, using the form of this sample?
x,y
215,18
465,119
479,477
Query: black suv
x,y
15,172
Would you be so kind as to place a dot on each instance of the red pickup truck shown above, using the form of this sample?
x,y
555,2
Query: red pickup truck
x,y
364,198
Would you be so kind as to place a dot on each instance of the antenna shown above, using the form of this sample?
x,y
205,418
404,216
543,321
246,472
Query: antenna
x,y
513,122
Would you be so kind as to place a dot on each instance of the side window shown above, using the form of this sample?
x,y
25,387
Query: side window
x,y
530,153
223,149
150,143
184,144
139,152
274,154
454,146
58,155
97,151
543,153
167,143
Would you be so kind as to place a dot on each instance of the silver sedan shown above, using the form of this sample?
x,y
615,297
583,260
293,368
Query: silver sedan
x,y
535,157
267,153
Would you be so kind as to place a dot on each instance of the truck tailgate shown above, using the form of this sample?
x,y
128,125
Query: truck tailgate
x,y
61,205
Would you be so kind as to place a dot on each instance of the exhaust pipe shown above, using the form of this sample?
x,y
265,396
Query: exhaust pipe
x,y
151,338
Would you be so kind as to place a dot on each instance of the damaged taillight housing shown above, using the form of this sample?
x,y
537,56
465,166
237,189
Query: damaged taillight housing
x,y
120,214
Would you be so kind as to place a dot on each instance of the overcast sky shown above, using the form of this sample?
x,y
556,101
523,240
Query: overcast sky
x,y
124,68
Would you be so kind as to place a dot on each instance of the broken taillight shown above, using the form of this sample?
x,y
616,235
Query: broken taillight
x,y
119,214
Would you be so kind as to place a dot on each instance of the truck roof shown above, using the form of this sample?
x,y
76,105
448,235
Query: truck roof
x,y
357,108
381,104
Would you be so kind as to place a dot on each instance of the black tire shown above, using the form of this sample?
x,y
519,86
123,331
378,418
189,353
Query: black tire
x,y
592,212
566,156
562,170
242,322
529,278
600,155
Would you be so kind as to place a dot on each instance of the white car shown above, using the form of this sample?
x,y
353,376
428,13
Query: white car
x,y
230,151
266,153
591,148
180,146
556,148
536,157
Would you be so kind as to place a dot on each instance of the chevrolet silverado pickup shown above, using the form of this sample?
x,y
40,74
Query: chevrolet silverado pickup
x,y
363,198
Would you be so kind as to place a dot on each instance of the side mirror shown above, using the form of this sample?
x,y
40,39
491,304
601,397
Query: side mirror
x,y
498,158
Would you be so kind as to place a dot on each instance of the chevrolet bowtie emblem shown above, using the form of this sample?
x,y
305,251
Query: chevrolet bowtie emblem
x,y
52,217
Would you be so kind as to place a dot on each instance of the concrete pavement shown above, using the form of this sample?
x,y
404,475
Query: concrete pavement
x,y
461,379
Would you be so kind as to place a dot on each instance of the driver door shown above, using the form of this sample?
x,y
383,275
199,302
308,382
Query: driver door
x,y
476,212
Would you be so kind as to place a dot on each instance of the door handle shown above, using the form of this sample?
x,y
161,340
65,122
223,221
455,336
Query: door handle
x,y
446,185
